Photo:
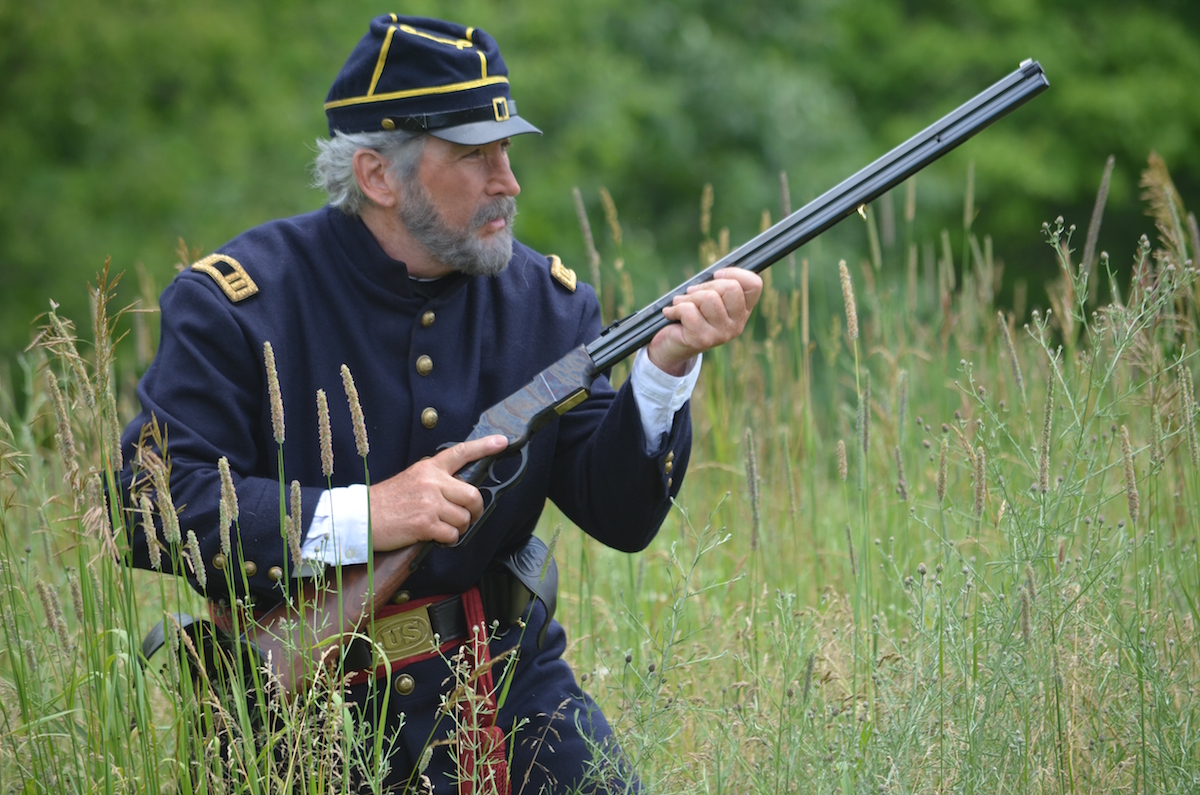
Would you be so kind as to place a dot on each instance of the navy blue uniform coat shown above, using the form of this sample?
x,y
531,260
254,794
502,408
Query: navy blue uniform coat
x,y
328,295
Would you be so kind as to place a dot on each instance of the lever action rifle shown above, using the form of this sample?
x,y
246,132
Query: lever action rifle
x,y
296,634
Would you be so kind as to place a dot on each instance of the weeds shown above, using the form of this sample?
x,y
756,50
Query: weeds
x,y
1003,598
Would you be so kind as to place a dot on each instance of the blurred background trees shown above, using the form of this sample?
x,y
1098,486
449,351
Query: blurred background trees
x,y
128,125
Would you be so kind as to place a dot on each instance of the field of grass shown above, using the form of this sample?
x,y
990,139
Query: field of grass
x,y
927,546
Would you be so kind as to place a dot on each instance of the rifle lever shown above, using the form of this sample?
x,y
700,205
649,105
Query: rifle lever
x,y
492,489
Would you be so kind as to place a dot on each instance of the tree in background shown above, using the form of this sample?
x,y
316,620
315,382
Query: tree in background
x,y
129,124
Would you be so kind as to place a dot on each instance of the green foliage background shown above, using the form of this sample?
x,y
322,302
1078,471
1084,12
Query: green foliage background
x,y
129,124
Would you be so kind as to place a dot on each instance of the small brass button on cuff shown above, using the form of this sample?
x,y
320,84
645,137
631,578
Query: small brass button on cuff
x,y
429,417
219,561
275,573
251,568
401,597
424,365
667,467
670,457
427,319
405,684
670,482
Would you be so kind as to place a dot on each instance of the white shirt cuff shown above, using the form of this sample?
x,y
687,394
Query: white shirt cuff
x,y
659,395
339,543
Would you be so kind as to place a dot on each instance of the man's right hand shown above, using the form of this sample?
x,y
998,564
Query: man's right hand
x,y
426,502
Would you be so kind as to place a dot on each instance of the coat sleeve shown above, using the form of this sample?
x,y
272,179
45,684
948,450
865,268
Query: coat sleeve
x,y
202,398
603,480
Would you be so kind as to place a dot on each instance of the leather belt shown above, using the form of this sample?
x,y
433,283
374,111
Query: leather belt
x,y
408,630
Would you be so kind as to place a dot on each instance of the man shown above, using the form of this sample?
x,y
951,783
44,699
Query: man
x,y
411,278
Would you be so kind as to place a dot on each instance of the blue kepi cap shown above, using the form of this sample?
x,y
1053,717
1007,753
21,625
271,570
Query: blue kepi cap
x,y
425,75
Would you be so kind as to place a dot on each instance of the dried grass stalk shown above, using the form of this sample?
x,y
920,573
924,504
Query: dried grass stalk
x,y
273,392
356,413
848,298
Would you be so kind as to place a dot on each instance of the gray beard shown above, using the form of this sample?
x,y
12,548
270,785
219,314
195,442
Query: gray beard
x,y
460,249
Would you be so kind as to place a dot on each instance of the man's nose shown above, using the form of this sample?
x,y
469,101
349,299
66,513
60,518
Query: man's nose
x,y
502,181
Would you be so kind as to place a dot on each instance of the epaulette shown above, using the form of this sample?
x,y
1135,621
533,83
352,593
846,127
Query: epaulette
x,y
561,273
229,275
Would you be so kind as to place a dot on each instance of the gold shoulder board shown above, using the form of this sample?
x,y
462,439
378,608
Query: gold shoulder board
x,y
561,273
229,275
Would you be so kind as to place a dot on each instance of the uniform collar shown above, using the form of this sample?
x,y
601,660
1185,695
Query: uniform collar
x,y
366,255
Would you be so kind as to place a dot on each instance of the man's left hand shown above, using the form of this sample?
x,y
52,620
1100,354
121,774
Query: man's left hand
x,y
710,314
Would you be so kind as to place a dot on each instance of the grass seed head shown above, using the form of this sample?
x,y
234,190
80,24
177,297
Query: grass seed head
x,y
229,504
63,342
273,392
77,599
166,506
901,482
1131,489
95,517
848,297
356,413
55,621
610,215
63,436
294,522
1189,414
193,550
806,690
324,434
1018,378
842,467
151,532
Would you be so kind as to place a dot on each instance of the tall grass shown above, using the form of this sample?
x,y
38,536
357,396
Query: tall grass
x,y
955,551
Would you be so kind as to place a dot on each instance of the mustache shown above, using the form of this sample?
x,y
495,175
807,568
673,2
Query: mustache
x,y
504,207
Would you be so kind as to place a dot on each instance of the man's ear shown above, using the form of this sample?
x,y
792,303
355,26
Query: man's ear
x,y
375,180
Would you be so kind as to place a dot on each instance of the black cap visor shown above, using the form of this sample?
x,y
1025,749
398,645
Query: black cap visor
x,y
484,132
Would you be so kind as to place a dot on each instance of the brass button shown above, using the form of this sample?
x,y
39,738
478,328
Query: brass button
x,y
667,467
401,597
429,417
405,684
275,573
388,125
424,365
219,561
251,568
670,482
670,457
427,319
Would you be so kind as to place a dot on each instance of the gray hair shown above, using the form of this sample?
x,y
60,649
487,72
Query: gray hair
x,y
333,168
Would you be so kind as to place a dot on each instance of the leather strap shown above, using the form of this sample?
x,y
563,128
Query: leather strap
x,y
436,121
482,751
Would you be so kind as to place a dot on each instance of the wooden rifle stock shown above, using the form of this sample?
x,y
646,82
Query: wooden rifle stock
x,y
295,638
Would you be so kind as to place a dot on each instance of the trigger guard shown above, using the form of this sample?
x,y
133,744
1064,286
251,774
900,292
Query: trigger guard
x,y
501,486
494,492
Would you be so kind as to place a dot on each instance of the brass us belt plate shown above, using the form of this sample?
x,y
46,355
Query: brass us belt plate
x,y
404,634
